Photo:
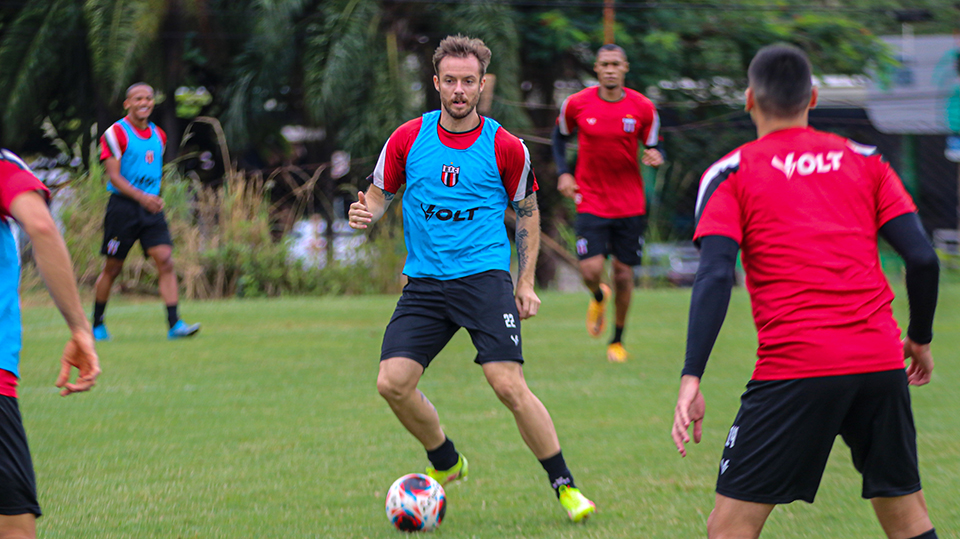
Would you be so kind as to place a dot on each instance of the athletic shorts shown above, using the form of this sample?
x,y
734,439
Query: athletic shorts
x,y
623,238
778,446
430,311
18,486
127,222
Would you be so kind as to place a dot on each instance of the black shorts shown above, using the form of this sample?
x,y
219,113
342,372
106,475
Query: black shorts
x,y
623,238
778,446
126,222
430,311
18,486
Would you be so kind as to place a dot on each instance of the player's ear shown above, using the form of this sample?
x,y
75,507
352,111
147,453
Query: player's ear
x,y
750,103
436,82
814,94
483,81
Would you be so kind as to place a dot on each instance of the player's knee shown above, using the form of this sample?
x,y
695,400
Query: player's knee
x,y
622,274
112,270
392,390
165,265
510,393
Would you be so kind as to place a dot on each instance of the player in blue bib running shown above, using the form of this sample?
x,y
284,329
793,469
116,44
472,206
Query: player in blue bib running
x,y
461,171
132,153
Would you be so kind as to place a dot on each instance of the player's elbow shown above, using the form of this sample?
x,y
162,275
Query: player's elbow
x,y
40,227
923,261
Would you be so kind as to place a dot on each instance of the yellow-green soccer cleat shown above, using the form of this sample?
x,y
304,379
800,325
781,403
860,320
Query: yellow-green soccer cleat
x,y
577,505
457,473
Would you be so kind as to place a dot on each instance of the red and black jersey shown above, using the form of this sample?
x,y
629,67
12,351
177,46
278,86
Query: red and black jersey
x,y
608,136
805,207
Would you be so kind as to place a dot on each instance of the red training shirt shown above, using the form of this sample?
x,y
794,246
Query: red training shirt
x,y
113,142
805,207
513,162
608,135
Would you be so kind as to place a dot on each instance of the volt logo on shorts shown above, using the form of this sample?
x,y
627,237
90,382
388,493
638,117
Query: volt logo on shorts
x,y
444,214
113,246
732,436
724,464
807,163
515,339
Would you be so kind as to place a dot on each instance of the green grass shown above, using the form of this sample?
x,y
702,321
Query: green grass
x,y
268,424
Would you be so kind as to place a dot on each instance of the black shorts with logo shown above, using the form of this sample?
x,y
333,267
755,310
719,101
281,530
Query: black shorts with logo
x,y
126,222
18,486
430,311
623,238
778,446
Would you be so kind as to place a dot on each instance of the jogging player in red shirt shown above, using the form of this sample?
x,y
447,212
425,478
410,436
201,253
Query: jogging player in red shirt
x,y
610,121
806,209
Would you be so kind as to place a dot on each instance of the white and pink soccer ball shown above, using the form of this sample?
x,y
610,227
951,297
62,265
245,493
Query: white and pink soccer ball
x,y
416,502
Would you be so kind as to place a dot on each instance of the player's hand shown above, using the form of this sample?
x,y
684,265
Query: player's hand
x,y
152,203
527,302
690,409
921,362
652,157
567,185
359,216
78,353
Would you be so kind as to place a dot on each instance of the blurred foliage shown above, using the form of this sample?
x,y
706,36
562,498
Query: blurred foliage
x,y
353,70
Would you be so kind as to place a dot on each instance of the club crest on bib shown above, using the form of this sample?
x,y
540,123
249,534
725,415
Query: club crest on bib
x,y
629,124
450,175
148,157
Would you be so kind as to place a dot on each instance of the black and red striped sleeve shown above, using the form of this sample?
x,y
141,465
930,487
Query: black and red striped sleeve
x,y
16,179
391,170
513,162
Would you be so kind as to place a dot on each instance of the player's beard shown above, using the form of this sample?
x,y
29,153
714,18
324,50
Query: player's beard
x,y
472,106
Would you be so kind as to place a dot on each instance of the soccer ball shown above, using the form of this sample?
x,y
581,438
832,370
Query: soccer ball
x,y
416,502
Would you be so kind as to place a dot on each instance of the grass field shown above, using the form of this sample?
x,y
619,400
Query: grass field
x,y
268,424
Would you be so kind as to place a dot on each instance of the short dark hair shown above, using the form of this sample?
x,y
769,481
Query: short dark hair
x,y
612,47
137,85
460,46
780,76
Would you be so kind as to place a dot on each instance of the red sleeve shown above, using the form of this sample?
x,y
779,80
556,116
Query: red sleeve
x,y
113,142
649,131
892,199
718,210
391,170
16,179
163,136
513,162
567,120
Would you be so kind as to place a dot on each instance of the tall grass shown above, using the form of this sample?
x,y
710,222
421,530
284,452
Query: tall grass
x,y
229,239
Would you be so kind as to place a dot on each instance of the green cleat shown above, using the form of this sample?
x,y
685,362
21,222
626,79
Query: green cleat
x,y
444,477
577,505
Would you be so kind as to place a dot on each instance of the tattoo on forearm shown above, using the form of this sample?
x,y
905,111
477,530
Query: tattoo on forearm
x,y
526,207
522,255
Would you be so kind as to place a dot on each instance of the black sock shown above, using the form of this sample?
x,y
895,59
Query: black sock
x,y
557,472
445,456
617,335
598,295
172,316
98,309
932,534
